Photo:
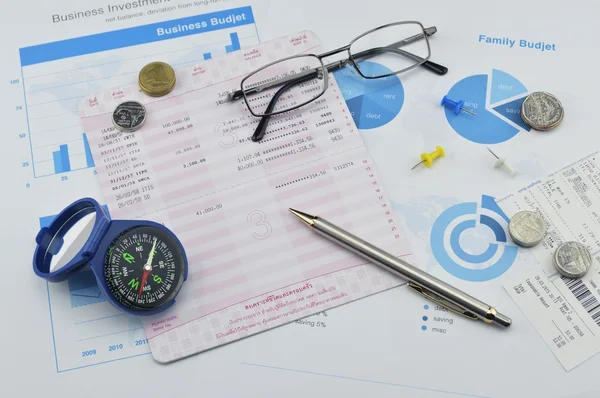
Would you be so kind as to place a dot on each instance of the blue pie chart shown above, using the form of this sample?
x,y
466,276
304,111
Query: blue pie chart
x,y
497,100
372,102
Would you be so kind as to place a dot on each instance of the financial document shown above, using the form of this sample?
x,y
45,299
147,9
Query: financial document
x,y
569,202
191,166
86,329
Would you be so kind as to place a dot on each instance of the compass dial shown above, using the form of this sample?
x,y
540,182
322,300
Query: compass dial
x,y
144,268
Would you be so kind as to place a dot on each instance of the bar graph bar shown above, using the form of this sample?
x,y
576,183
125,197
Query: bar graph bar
x,y
64,157
62,164
207,56
58,168
235,43
88,152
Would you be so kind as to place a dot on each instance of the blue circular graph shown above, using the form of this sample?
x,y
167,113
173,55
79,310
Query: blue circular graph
x,y
468,266
497,99
372,102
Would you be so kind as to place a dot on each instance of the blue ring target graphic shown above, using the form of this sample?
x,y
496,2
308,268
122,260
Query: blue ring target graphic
x,y
463,270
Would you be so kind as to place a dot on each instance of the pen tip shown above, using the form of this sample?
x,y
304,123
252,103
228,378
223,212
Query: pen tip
x,y
503,320
307,218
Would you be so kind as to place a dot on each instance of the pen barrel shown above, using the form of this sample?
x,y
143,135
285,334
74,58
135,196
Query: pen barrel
x,y
409,272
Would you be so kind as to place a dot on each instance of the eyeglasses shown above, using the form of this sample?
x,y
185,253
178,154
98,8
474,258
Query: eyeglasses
x,y
293,82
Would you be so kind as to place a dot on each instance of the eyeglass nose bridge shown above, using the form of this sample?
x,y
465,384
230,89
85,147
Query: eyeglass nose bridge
x,y
336,64
333,52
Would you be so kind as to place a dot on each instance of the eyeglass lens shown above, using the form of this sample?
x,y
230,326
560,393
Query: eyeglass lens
x,y
396,47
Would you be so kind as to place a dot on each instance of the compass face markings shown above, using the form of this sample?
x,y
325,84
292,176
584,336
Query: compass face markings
x,y
139,278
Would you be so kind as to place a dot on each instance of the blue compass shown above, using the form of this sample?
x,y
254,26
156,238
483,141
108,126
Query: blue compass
x,y
139,265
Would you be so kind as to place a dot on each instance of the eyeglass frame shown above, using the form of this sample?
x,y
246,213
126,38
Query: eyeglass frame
x,y
298,79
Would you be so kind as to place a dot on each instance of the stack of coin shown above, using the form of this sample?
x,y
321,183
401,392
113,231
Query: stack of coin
x,y
527,228
157,79
129,116
572,259
542,111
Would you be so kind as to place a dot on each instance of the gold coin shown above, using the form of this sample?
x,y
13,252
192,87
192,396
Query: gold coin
x,y
157,93
157,79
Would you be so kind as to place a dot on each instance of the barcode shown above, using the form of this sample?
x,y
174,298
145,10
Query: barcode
x,y
585,297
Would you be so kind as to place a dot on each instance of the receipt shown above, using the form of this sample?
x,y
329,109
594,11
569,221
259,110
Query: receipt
x,y
557,316
569,202
193,167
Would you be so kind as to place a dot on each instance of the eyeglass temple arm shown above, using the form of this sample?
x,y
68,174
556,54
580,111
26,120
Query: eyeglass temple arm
x,y
432,66
428,32
261,129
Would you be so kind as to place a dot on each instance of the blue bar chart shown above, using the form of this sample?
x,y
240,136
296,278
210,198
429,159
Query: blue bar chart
x,y
234,46
62,158
57,75
62,163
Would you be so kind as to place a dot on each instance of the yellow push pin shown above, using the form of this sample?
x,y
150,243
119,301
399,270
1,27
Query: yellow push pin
x,y
428,158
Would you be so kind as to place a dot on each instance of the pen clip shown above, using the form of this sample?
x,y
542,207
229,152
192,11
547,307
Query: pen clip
x,y
441,301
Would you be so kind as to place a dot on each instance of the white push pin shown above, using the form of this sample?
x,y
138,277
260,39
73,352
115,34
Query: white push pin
x,y
501,163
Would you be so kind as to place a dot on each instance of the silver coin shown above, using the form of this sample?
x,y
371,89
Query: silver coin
x,y
527,228
129,116
572,259
542,111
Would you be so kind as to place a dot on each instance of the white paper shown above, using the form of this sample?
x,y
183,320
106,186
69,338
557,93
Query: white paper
x,y
569,202
556,316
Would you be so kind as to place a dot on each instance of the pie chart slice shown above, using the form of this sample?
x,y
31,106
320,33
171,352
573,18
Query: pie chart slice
x,y
512,111
484,128
504,86
372,102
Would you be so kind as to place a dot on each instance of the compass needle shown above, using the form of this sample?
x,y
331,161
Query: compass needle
x,y
147,268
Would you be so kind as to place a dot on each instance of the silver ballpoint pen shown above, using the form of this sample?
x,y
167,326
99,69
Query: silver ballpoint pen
x,y
429,286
